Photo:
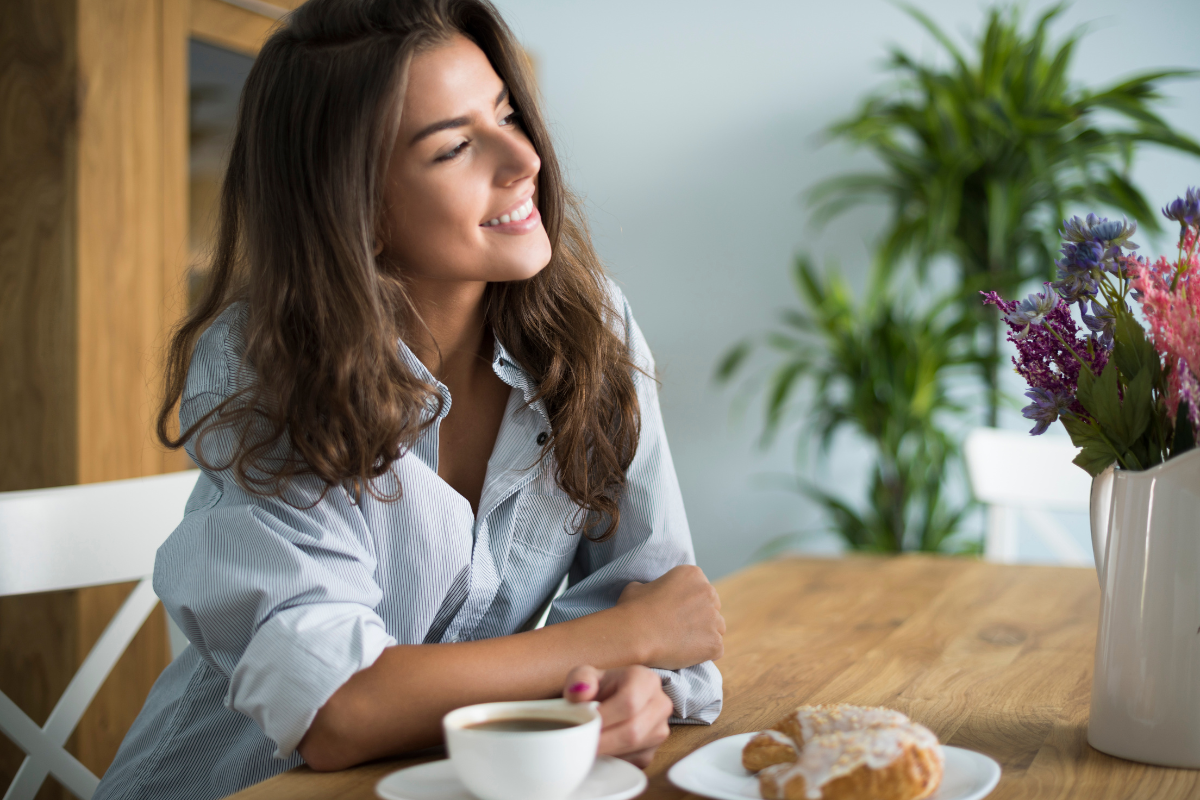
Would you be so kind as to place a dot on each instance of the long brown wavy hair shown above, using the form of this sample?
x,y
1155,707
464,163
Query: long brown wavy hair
x,y
300,206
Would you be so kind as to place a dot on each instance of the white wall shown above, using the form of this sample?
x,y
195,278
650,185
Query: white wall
x,y
691,126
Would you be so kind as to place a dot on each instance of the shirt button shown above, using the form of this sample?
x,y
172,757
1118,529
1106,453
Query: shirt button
x,y
542,437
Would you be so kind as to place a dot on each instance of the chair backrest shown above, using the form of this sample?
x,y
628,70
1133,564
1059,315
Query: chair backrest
x,y
1023,477
67,538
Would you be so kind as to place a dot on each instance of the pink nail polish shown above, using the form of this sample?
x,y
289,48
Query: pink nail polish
x,y
579,687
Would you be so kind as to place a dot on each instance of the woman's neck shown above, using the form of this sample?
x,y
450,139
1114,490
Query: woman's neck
x,y
455,338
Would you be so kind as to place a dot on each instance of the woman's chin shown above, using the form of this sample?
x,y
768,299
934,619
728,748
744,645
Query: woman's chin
x,y
523,267
522,273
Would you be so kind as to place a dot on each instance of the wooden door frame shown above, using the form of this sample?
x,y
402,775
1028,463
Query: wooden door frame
x,y
93,260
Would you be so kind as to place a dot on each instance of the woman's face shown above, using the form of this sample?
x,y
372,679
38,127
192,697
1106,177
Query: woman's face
x,y
461,161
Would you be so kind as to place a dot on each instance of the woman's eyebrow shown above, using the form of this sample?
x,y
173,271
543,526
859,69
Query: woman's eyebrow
x,y
457,122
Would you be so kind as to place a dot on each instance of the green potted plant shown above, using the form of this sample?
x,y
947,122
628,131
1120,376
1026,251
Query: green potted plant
x,y
981,157
877,367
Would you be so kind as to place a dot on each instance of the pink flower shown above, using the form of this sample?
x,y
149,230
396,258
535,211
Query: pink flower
x,y
1169,294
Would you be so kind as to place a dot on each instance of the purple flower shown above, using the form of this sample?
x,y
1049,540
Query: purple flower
x,y
1042,360
1079,230
1033,310
1189,390
1077,271
1111,235
1185,210
1101,322
1099,229
1046,407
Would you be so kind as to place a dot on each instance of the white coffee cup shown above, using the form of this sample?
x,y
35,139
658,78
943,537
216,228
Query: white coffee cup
x,y
523,765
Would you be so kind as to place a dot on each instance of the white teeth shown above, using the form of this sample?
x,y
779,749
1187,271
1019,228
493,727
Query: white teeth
x,y
523,211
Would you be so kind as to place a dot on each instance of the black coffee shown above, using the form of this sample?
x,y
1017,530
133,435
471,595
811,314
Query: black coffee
x,y
526,724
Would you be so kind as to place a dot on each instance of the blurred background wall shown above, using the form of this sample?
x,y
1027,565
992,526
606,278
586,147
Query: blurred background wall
x,y
691,128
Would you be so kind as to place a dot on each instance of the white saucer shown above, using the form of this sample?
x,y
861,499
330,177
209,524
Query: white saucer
x,y
610,779
716,771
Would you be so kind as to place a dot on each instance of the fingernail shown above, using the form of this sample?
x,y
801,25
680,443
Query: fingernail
x,y
579,687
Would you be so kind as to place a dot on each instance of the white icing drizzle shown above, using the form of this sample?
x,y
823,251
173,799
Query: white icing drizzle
x,y
826,757
780,738
838,717
777,771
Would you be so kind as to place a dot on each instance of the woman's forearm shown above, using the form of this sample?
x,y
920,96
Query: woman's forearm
x,y
397,704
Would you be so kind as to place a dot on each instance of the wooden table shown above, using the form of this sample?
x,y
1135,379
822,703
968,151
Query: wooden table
x,y
992,658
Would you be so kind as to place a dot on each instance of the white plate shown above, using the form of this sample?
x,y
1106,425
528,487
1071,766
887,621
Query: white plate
x,y
610,779
715,770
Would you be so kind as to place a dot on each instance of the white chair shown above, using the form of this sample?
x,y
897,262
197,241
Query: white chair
x,y
1023,478
67,538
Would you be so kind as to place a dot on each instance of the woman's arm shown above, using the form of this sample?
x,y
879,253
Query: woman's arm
x,y
652,538
397,704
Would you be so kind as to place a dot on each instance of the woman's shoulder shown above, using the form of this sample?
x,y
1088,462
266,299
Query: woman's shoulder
x,y
217,369
627,328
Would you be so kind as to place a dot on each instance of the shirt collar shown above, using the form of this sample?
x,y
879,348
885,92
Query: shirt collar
x,y
422,373
503,364
509,370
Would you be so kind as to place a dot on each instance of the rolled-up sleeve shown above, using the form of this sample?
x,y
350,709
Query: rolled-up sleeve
x,y
276,593
653,537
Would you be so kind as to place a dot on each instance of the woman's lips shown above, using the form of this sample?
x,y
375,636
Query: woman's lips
x,y
524,226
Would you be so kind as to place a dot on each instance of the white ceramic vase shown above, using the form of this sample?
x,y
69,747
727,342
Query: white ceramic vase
x,y
1146,687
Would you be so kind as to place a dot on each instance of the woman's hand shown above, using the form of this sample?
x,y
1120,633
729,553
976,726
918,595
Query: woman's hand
x,y
633,709
680,618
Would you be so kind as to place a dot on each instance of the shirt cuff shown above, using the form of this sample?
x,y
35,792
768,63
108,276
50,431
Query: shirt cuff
x,y
695,691
297,660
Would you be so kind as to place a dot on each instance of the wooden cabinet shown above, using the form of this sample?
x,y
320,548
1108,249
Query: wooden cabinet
x,y
93,257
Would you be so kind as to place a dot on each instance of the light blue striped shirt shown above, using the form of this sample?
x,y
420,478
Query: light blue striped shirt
x,y
282,602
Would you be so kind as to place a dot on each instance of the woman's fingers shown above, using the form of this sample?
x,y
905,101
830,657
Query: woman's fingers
x,y
633,709
642,758
637,713
625,692
582,684
633,737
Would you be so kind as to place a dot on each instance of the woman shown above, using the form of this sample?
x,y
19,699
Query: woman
x,y
419,405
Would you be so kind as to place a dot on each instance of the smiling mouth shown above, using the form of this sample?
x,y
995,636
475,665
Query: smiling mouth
x,y
516,215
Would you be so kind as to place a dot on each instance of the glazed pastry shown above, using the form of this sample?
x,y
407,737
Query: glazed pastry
x,y
767,748
901,762
781,744
809,721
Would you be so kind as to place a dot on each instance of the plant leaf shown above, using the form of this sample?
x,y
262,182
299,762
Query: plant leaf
x,y
1132,351
1095,454
1100,397
1185,437
732,360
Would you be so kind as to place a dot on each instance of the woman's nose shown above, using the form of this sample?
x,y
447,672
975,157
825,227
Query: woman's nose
x,y
518,160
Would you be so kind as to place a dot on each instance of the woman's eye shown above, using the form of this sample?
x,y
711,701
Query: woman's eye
x,y
512,119
453,153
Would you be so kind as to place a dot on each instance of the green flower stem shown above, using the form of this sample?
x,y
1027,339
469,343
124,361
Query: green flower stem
x,y
1184,258
1136,464
1070,350
1178,267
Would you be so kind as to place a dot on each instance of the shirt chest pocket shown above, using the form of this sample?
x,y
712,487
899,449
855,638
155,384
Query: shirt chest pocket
x,y
547,522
